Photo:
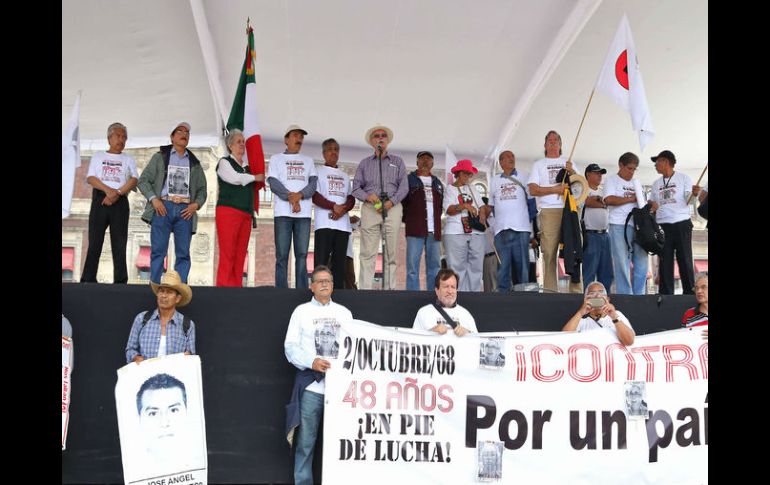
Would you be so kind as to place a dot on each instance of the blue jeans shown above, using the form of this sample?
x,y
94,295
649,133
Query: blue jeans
x,y
414,246
311,409
597,260
621,259
284,228
513,249
160,232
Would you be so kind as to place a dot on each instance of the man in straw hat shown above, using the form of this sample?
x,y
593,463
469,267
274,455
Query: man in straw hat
x,y
164,331
368,187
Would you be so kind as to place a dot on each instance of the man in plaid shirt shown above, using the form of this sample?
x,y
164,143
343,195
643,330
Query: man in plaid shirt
x,y
163,332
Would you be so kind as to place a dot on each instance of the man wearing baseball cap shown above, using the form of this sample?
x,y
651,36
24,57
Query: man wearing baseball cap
x,y
292,178
370,188
174,184
422,217
597,256
670,196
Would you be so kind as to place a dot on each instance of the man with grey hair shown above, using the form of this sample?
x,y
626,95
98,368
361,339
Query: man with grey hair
x,y
235,209
379,176
549,191
307,324
173,207
332,202
112,174
596,312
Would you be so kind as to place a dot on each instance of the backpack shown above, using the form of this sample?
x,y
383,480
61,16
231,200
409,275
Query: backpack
x,y
647,232
148,315
703,208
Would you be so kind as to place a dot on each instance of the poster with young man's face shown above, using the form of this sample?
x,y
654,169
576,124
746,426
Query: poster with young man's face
x,y
161,421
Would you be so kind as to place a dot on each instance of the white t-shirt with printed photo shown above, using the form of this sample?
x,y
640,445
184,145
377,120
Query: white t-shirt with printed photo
x,y
454,223
544,174
293,170
614,185
510,202
671,197
333,185
114,170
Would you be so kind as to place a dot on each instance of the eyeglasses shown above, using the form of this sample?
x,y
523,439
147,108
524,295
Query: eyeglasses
x,y
595,293
380,135
181,130
323,282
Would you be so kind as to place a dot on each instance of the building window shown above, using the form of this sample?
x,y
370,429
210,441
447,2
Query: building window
x,y
67,263
143,263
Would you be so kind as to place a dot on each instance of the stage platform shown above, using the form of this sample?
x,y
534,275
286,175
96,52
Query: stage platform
x,y
246,378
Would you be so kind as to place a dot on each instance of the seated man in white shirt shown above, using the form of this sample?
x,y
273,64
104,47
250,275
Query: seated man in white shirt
x,y
429,317
596,312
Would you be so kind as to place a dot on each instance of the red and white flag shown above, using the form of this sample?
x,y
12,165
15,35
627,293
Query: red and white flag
x,y
621,80
243,115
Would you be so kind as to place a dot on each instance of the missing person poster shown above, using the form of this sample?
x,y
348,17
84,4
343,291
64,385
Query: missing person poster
x,y
66,369
161,421
402,406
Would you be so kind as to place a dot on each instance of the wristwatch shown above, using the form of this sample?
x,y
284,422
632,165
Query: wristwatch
x,y
615,320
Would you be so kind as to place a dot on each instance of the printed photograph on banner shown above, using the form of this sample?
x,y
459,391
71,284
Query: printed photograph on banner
x,y
326,332
490,353
490,461
161,420
636,399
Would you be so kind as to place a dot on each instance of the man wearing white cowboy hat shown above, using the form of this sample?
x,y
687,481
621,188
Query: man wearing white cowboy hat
x,y
175,187
164,331
368,185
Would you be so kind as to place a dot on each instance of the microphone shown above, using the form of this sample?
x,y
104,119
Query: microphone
x,y
379,146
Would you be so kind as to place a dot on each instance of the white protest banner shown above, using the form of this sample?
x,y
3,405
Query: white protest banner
x,y
161,421
405,407
66,368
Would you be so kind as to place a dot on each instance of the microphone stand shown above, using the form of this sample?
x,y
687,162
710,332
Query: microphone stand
x,y
384,212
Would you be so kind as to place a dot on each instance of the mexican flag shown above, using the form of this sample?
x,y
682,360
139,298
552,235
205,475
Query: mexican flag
x,y
243,115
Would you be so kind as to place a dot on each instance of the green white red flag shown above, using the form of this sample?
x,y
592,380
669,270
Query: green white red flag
x,y
244,116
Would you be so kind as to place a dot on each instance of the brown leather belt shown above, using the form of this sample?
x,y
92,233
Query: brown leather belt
x,y
176,199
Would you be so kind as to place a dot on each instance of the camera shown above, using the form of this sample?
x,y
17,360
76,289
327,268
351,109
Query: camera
x,y
596,302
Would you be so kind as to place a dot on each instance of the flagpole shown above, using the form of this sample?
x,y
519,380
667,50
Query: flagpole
x,y
569,160
698,182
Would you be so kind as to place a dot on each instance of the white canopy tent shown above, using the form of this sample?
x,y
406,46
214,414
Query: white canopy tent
x,y
478,75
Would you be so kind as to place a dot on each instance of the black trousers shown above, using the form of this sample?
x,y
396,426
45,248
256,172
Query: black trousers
x,y
115,217
330,249
679,241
